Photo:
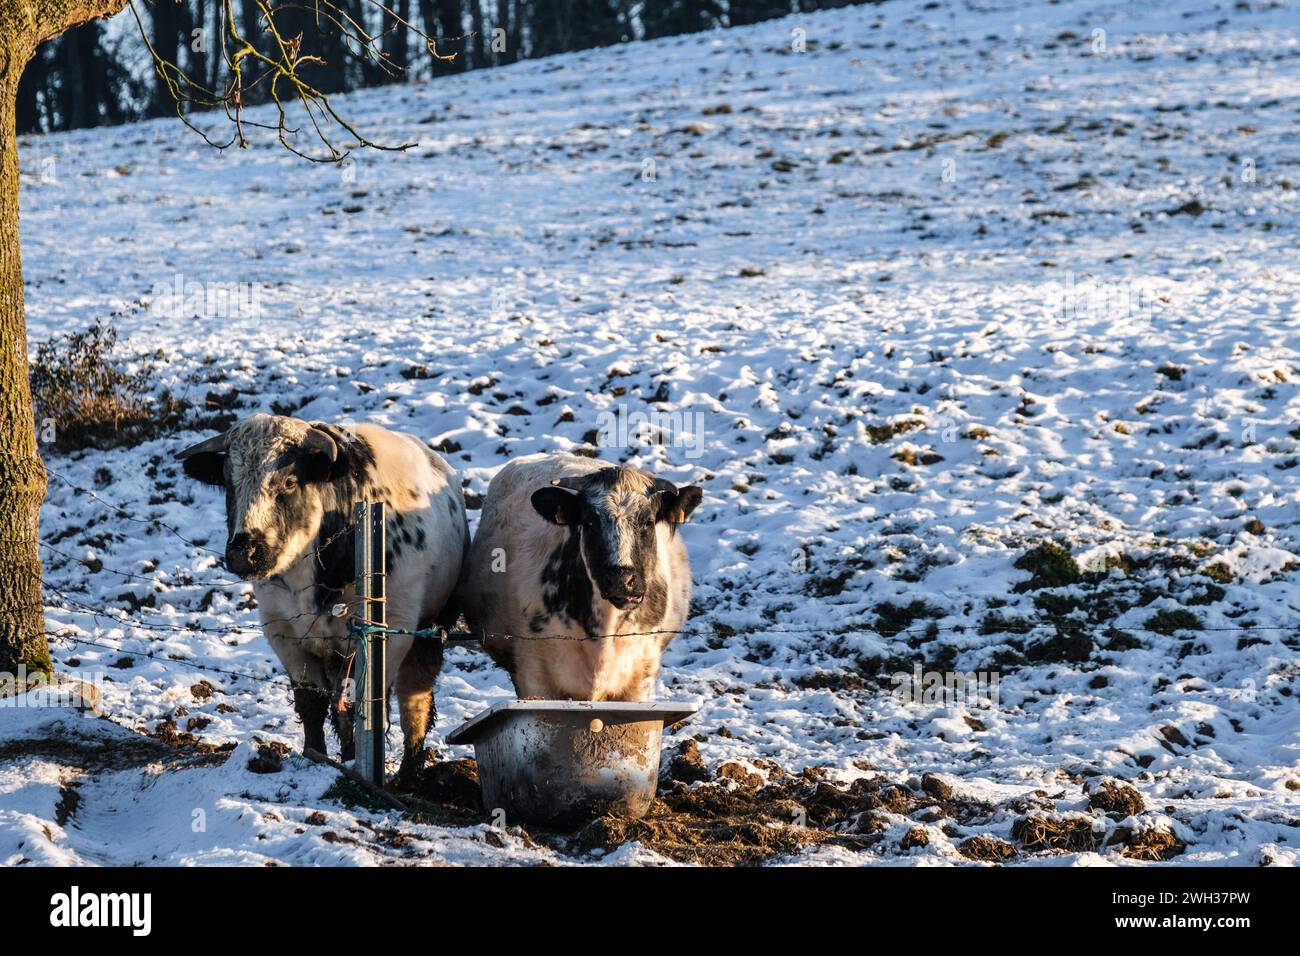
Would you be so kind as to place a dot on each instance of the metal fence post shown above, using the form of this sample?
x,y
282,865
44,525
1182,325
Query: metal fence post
x,y
372,682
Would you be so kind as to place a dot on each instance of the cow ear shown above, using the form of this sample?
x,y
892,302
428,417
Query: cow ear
x,y
557,505
206,461
676,504
319,457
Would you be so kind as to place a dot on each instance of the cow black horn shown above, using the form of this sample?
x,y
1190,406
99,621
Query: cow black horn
x,y
214,445
661,486
316,442
568,482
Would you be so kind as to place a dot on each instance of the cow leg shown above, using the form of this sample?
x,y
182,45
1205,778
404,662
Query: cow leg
x,y
312,704
414,687
342,720
343,670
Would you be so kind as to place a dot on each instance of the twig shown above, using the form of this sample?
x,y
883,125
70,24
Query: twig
x,y
280,75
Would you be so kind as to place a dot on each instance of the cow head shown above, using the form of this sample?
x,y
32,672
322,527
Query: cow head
x,y
618,514
279,475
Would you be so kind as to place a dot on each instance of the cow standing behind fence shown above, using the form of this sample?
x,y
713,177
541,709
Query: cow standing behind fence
x,y
577,578
291,492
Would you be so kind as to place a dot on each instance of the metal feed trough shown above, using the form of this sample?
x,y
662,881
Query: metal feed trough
x,y
565,762
556,762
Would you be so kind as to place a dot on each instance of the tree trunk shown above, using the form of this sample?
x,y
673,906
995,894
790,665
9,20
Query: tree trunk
x,y
190,19
74,95
215,37
476,46
23,25
22,476
166,43
396,42
502,23
251,28
451,36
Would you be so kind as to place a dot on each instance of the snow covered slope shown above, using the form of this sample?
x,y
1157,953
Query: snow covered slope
x,y
954,281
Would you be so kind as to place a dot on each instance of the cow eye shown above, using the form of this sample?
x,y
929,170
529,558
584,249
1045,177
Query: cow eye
x,y
290,485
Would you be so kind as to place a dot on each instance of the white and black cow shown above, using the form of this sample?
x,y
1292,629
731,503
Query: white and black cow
x,y
291,492
581,549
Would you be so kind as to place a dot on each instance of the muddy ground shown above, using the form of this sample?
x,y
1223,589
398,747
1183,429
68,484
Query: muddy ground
x,y
748,814
734,813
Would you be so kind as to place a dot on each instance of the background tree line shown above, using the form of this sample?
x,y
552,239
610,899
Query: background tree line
x,y
96,75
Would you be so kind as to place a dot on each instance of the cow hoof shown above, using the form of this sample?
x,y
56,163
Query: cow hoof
x,y
408,774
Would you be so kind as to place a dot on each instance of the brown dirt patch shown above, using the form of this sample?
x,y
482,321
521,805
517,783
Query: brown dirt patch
x,y
895,799
917,836
167,732
986,849
717,825
733,817
687,765
69,802
446,792
1152,845
93,754
270,757
741,777
1112,796
713,826
87,754
936,787
1071,834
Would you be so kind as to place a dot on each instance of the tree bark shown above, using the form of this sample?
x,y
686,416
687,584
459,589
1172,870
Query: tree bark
x,y
23,25
22,476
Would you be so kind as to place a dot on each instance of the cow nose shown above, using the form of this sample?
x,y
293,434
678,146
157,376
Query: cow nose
x,y
622,587
241,553
628,582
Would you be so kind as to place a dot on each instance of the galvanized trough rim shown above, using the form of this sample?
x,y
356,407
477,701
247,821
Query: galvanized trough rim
x,y
610,711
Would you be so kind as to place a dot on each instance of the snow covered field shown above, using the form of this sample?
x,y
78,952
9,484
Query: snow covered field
x,y
955,281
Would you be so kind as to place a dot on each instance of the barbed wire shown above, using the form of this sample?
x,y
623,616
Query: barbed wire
x,y
158,523
359,629
276,679
191,583
440,633
448,635
122,512
136,576
291,684
189,628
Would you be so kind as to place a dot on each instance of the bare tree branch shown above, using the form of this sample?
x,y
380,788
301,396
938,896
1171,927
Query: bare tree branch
x,y
279,74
